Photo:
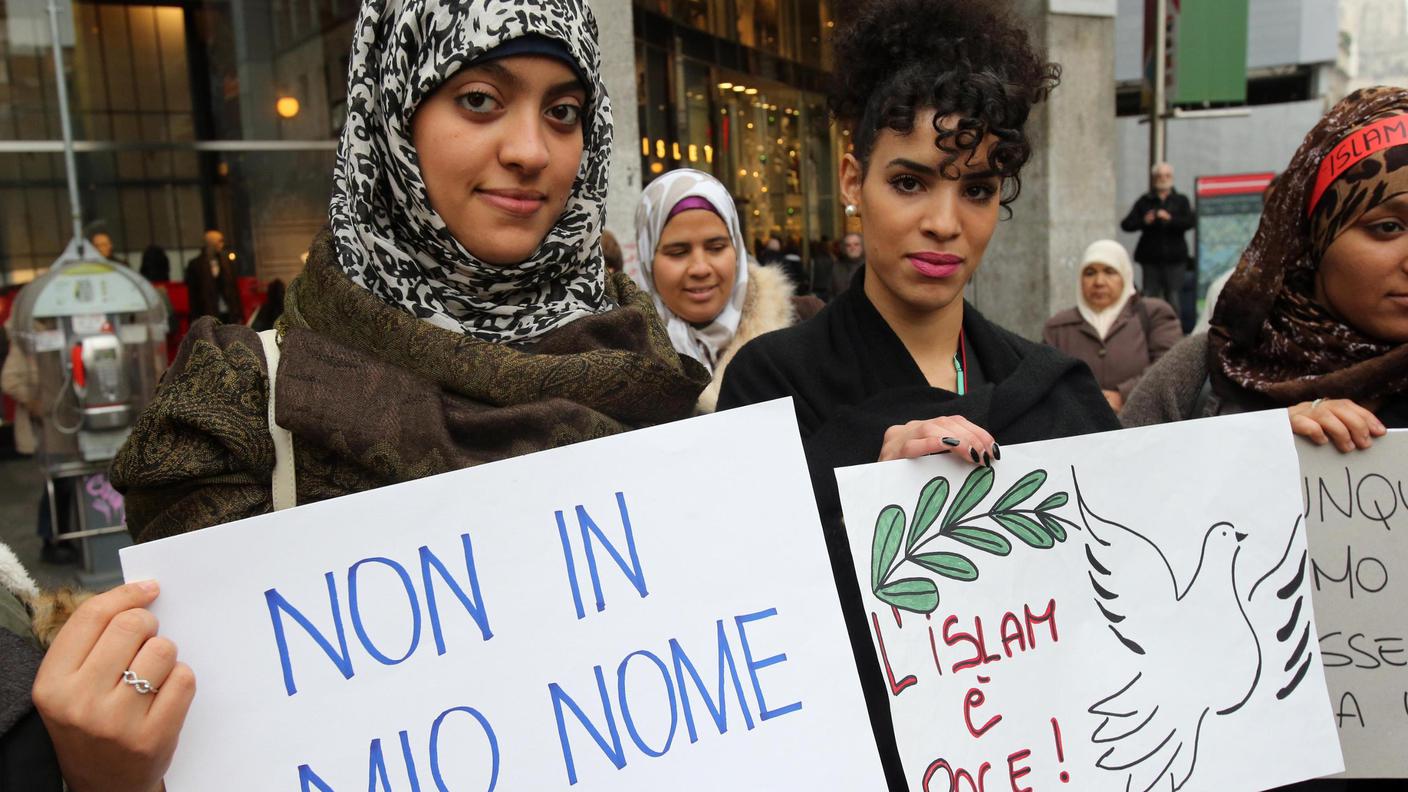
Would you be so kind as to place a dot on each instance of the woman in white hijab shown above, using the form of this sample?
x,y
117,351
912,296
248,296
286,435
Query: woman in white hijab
x,y
1115,331
712,296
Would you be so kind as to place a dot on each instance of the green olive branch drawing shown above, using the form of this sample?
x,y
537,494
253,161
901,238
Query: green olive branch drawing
x,y
1039,528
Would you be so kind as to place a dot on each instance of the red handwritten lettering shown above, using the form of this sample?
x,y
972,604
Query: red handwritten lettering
x,y
1047,617
933,645
1014,772
896,687
955,776
972,701
1012,633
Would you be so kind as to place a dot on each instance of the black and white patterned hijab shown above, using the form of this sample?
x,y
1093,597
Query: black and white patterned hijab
x,y
389,240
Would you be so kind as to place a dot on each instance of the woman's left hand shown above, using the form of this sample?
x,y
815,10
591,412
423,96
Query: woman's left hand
x,y
1339,421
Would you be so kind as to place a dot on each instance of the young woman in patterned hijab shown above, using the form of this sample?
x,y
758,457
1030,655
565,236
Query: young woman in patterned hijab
x,y
457,312
1316,316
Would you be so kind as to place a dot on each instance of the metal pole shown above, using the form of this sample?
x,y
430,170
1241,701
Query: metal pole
x,y
66,122
1157,136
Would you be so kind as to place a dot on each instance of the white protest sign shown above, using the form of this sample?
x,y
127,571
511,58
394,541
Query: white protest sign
x,y
1125,611
648,611
1357,518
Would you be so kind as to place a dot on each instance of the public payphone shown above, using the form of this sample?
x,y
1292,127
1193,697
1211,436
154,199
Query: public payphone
x,y
95,333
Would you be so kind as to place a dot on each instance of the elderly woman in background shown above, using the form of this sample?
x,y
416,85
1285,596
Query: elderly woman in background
x,y
1115,331
713,298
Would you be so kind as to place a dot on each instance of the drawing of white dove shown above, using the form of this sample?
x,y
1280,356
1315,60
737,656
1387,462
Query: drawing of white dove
x,y
1196,650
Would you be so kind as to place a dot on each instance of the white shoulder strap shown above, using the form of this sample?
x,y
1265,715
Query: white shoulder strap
x,y
285,482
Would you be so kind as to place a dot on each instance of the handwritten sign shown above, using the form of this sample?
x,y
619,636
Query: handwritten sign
x,y
1078,617
648,611
1357,513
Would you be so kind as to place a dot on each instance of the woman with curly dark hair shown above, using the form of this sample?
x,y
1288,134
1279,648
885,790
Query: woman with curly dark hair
x,y
935,95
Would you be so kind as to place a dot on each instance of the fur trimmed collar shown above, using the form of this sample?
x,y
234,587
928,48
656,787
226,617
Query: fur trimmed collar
x,y
767,307
13,576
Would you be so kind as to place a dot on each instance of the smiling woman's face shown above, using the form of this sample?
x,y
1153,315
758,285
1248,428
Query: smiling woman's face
x,y
1363,276
500,145
925,232
695,266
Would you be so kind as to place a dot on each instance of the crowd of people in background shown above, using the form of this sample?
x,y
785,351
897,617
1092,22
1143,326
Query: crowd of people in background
x,y
478,325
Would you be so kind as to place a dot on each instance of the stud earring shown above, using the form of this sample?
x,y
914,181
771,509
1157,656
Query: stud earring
x,y
851,210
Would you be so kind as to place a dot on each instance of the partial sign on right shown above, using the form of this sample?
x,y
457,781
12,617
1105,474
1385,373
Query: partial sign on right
x,y
1357,521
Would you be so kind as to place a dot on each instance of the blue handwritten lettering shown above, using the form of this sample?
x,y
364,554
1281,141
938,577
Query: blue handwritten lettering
x,y
340,657
435,746
719,713
754,666
614,751
473,604
626,707
354,605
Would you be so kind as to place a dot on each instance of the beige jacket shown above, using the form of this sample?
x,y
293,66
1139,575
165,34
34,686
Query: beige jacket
x,y
771,305
19,379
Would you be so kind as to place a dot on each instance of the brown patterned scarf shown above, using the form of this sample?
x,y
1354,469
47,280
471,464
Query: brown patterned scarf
x,y
1269,337
619,364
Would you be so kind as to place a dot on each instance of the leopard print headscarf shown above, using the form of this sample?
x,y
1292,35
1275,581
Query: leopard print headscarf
x,y
389,239
1269,337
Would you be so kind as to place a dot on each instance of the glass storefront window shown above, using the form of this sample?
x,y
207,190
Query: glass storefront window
x,y
34,222
269,205
760,132
759,24
653,98
697,142
821,171
187,116
699,14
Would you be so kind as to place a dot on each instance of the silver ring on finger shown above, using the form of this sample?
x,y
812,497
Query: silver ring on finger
x,y
138,684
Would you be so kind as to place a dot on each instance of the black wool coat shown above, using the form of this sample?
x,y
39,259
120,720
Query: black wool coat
x,y
1162,243
851,378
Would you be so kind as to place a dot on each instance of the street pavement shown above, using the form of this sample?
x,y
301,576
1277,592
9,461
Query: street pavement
x,y
21,482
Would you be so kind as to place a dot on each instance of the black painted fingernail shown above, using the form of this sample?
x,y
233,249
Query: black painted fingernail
x,y
952,442
973,452
996,452
987,459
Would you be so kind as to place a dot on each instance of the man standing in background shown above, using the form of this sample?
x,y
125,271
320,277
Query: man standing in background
x,y
210,283
852,258
1162,216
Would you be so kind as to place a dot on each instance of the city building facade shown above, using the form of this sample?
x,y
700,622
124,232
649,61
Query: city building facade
x,y
225,114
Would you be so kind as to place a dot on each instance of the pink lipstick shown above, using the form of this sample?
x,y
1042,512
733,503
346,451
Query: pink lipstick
x,y
935,265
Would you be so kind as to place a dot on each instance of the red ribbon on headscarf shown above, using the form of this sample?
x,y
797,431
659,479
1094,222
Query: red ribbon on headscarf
x,y
1361,143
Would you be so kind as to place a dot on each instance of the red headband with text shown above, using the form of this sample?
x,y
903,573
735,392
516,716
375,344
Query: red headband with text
x,y
1363,142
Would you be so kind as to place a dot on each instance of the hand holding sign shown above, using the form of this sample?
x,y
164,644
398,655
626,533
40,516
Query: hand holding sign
x,y
107,735
570,619
1340,422
1075,619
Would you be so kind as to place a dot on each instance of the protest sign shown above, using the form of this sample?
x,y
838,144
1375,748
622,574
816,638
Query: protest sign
x,y
1125,611
1357,518
648,611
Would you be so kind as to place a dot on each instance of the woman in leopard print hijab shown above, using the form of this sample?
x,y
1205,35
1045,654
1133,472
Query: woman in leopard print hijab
x,y
392,242
1294,326
457,313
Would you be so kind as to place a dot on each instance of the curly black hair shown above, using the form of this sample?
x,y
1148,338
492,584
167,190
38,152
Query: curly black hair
x,y
970,61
